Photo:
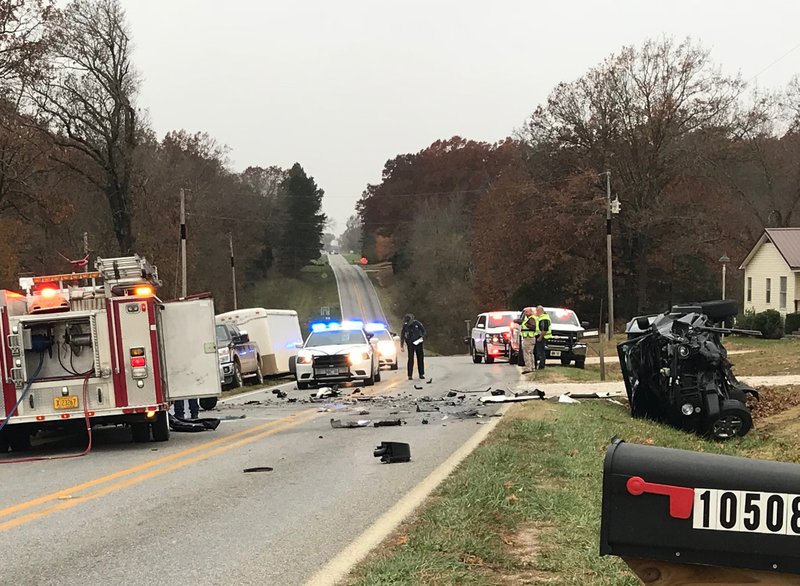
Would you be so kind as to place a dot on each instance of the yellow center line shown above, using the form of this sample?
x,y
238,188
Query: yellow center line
x,y
152,474
144,466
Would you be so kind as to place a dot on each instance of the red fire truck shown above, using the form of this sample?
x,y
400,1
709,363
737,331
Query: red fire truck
x,y
101,347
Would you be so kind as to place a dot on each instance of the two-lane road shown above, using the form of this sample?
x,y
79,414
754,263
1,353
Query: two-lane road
x,y
184,512
357,297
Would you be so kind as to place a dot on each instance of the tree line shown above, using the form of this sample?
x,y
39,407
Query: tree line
x,y
700,161
77,155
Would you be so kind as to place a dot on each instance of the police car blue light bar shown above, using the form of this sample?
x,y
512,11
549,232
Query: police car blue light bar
x,y
352,325
375,327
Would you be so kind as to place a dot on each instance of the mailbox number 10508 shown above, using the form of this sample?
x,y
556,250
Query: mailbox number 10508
x,y
750,512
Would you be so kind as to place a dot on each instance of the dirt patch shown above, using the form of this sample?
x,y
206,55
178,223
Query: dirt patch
x,y
524,547
535,410
773,401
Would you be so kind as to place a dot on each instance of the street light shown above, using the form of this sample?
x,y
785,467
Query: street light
x,y
724,260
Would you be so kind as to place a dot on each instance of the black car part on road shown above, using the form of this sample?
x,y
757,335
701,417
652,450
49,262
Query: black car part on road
x,y
676,371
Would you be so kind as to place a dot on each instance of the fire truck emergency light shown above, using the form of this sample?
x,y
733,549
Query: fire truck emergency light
x,y
143,291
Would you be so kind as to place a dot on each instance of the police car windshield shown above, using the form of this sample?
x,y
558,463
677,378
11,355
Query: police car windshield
x,y
383,335
498,320
335,338
564,317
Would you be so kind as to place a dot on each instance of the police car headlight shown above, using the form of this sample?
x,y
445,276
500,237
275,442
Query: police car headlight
x,y
304,357
358,356
386,348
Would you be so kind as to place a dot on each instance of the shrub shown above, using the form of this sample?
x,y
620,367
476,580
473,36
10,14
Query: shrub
x,y
746,320
792,323
769,323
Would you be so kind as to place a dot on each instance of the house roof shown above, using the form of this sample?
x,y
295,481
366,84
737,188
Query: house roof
x,y
786,240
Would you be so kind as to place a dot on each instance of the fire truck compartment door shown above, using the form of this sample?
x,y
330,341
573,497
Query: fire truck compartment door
x,y
189,350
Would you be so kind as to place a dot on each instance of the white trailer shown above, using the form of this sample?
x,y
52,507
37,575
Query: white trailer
x,y
276,331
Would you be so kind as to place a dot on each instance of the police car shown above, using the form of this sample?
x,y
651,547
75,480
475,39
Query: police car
x,y
337,353
387,344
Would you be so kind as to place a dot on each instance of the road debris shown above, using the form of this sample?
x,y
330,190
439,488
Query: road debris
x,y
339,424
533,395
192,425
252,402
429,381
419,388
498,392
567,399
279,393
424,422
257,469
325,393
389,423
390,452
427,408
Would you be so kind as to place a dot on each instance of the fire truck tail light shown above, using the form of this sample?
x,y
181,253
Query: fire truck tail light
x,y
138,361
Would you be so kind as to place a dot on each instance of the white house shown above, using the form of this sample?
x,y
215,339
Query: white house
x,y
772,272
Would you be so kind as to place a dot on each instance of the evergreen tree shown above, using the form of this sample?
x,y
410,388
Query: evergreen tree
x,y
300,240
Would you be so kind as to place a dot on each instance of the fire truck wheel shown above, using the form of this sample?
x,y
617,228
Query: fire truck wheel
x,y
160,427
3,443
141,432
208,403
19,439
238,380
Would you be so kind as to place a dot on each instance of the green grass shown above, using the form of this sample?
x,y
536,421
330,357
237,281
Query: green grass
x,y
313,288
536,481
569,374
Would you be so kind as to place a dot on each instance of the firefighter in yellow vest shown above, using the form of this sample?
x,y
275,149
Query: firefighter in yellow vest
x,y
527,333
542,334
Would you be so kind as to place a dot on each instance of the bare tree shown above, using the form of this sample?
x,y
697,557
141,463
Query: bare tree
x,y
87,99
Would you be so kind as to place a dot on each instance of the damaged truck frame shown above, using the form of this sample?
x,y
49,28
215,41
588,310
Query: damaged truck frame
x,y
676,370
100,348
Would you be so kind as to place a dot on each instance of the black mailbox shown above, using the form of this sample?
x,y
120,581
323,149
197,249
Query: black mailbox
x,y
696,508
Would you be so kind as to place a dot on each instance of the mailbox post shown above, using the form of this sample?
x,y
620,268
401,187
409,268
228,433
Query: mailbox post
x,y
663,507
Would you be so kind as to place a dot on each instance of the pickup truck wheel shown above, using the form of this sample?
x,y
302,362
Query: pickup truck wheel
x,y
160,426
565,361
487,358
476,358
140,432
208,403
580,362
238,380
259,378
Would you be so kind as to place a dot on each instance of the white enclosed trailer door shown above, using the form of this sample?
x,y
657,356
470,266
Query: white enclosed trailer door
x,y
189,349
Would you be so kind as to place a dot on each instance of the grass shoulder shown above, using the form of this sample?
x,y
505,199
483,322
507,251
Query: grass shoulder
x,y
525,506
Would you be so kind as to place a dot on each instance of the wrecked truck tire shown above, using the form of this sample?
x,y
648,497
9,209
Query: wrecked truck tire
x,y
718,311
208,403
734,420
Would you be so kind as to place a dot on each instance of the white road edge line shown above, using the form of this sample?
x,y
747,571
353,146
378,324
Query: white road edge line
x,y
340,566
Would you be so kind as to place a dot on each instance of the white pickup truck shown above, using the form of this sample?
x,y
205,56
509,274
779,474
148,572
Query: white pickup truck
x,y
491,336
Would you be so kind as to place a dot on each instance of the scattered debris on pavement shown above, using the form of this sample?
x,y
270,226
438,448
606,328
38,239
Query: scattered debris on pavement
x,y
339,424
258,469
390,452
192,425
389,423
566,399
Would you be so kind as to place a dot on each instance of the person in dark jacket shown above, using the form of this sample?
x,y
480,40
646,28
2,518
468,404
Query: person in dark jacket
x,y
413,335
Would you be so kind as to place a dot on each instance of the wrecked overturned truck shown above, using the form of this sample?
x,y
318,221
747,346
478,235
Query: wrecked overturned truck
x,y
676,370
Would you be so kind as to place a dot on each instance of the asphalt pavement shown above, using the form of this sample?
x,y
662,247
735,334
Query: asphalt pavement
x,y
357,297
184,512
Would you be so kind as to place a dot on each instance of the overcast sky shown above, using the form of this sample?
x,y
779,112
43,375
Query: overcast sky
x,y
341,86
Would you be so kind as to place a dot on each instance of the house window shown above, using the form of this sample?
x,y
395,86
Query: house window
x,y
749,289
769,290
782,298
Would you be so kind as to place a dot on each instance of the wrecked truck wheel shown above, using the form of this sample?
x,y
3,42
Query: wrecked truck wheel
x,y
208,403
720,310
734,420
140,432
160,426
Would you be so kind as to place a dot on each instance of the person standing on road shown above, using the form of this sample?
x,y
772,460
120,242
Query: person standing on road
x,y
542,335
413,335
527,333
194,409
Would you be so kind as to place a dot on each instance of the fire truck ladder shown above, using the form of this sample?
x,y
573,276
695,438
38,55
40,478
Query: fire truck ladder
x,y
127,271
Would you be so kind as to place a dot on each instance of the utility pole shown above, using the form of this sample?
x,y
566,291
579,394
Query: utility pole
x,y
86,251
609,258
183,243
233,273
